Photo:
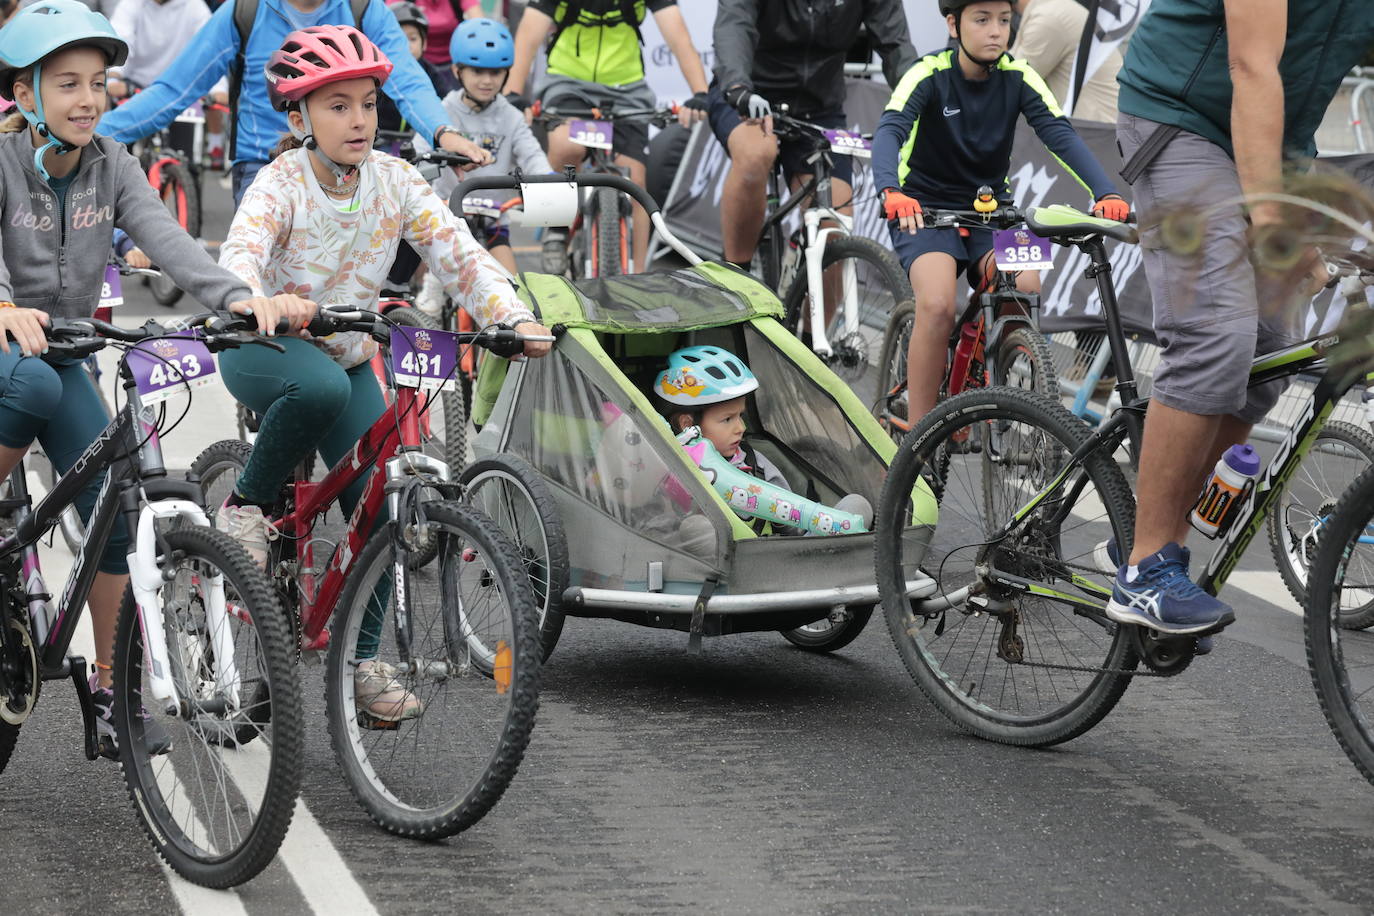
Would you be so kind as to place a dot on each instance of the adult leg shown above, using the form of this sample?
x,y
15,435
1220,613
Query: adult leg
x,y
743,202
934,276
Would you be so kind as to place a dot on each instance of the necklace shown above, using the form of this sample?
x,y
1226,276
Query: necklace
x,y
346,187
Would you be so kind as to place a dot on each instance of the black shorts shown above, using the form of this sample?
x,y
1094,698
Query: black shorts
x,y
724,119
628,137
965,246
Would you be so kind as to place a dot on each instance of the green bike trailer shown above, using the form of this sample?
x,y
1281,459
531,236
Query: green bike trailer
x,y
648,541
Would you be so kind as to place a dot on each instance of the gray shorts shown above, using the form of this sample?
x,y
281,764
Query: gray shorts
x,y
628,137
1207,314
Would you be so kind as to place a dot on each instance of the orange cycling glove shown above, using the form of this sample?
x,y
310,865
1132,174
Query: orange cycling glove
x,y
897,205
1111,206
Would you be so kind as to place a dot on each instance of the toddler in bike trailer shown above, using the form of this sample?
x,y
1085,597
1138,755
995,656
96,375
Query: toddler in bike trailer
x,y
323,220
965,102
66,190
706,391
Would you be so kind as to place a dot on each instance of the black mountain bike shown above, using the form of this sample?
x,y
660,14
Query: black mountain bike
x,y
201,648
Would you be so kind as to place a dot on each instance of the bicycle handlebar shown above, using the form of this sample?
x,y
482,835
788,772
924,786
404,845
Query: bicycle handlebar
x,y
581,179
81,337
500,340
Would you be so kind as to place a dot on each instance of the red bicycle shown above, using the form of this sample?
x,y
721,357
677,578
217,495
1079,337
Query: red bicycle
x,y
429,598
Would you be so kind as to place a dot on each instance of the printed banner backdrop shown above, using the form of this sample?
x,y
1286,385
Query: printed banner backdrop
x,y
1114,22
1069,301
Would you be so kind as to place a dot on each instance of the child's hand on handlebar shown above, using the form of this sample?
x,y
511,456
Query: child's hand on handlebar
x,y
453,143
26,327
534,348
1112,206
272,311
906,210
137,259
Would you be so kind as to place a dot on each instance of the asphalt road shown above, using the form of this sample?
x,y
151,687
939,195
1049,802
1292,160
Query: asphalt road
x,y
759,778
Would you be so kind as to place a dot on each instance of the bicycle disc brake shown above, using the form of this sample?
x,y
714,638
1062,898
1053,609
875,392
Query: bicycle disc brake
x,y
849,359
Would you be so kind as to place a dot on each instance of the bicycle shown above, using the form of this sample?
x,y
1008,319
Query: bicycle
x,y
1017,647
199,632
444,430
801,264
600,242
462,627
996,338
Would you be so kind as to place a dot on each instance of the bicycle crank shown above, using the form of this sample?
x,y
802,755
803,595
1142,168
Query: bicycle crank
x,y
1164,654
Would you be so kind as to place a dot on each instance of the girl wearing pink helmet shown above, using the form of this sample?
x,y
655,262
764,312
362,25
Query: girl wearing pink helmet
x,y
323,221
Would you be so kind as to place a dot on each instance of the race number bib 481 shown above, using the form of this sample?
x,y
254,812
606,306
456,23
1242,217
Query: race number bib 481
x,y
1021,249
424,358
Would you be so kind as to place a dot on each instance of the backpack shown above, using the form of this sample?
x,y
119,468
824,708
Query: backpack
x,y
573,11
245,11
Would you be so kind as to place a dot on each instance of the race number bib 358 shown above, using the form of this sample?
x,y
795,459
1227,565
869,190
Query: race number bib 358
x,y
1021,249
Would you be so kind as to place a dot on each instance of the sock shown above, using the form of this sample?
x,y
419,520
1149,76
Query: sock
x,y
214,141
1132,572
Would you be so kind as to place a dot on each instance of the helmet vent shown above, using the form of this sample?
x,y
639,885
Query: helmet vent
x,y
715,372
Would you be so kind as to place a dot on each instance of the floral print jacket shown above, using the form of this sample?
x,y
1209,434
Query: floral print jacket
x,y
288,237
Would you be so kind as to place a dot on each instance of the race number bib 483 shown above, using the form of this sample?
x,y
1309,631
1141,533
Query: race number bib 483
x,y
167,365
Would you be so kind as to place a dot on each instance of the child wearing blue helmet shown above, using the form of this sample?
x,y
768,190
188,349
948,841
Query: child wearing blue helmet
x,y
706,389
483,51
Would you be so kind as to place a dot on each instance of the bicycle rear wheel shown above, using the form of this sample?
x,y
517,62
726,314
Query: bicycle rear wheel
x,y
1341,660
880,288
444,420
460,668
1340,454
1009,663
182,199
214,810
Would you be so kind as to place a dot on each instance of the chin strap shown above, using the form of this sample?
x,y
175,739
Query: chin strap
x,y
307,137
35,118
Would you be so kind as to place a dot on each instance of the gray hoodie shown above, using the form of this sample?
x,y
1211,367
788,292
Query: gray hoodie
x,y
500,129
59,268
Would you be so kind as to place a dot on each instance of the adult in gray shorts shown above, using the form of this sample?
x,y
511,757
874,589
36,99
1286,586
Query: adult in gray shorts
x,y
1215,95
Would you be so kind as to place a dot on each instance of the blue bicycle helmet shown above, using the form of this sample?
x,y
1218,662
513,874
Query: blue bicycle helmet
x,y
41,30
698,376
483,43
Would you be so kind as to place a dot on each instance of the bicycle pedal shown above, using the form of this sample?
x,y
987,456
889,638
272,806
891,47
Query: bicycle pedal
x,y
372,723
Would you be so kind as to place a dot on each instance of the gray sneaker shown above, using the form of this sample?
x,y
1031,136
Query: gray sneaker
x,y
248,526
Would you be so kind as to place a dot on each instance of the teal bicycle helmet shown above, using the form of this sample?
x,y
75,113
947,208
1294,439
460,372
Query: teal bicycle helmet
x,y
483,43
698,376
41,30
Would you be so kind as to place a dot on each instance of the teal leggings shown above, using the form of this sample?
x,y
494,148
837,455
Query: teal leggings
x,y
58,406
307,402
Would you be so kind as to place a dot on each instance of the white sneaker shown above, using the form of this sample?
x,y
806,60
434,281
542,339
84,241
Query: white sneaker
x,y
248,526
381,699
430,299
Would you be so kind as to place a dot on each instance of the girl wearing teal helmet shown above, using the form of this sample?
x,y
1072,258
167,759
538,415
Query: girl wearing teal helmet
x,y
706,389
65,190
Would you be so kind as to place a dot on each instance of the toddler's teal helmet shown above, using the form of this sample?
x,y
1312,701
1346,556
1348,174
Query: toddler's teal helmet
x,y
698,376
483,43
38,31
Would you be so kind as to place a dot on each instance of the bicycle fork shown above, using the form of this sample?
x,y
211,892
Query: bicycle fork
x,y
814,252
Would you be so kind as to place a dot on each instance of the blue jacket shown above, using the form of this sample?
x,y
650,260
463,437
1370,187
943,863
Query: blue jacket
x,y
210,55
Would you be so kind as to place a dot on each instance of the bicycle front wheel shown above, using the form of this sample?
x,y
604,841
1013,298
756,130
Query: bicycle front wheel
x,y
879,287
1341,660
1014,645
215,809
1340,454
610,235
1023,360
890,404
430,710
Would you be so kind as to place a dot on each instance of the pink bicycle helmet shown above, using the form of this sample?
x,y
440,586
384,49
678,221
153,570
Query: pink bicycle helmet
x,y
322,54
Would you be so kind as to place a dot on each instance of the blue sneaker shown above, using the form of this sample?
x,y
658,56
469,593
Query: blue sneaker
x,y
1163,598
1109,560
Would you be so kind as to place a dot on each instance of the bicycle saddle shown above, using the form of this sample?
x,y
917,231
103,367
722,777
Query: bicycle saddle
x,y
1058,221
